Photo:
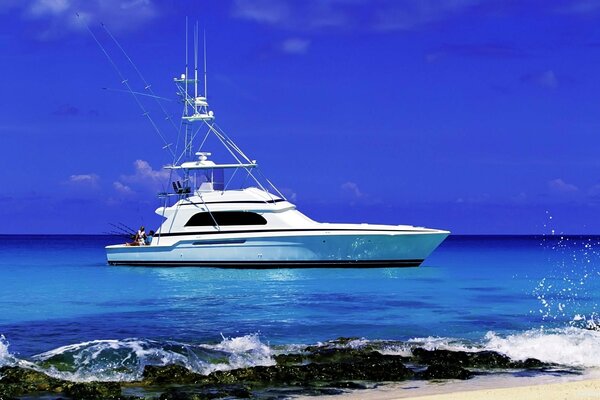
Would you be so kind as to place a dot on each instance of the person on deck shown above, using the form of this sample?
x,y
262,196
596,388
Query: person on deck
x,y
149,238
140,237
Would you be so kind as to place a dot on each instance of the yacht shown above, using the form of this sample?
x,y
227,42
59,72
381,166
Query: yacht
x,y
210,221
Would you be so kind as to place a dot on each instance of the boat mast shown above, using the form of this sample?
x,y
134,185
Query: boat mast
x,y
197,110
185,78
205,80
196,60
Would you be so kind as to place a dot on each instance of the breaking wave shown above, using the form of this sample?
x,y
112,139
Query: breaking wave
x,y
5,356
571,347
125,360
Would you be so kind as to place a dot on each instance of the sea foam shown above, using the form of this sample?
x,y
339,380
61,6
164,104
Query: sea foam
x,y
125,359
243,351
571,346
5,357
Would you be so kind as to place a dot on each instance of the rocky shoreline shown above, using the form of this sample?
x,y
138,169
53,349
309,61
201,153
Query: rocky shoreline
x,y
326,369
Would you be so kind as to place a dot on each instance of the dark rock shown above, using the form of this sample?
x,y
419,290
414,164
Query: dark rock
x,y
488,359
18,375
158,375
323,369
195,393
291,359
320,355
335,350
6,393
93,390
430,357
176,394
16,381
531,363
371,367
479,359
363,367
445,371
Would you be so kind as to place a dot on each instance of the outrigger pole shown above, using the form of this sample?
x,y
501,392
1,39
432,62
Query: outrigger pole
x,y
125,82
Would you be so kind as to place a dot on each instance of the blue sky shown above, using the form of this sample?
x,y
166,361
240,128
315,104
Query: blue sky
x,y
477,116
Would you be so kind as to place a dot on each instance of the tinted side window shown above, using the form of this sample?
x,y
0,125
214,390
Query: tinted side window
x,y
225,218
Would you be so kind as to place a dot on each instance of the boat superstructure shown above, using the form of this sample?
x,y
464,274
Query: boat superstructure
x,y
209,222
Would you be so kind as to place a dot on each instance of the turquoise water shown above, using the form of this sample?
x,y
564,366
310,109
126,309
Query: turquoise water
x,y
510,294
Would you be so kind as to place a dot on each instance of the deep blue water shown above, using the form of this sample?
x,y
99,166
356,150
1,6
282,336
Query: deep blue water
x,y
58,291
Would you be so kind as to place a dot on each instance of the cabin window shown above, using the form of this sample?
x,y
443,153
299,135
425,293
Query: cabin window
x,y
214,175
224,218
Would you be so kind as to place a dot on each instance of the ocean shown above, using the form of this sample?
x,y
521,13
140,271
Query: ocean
x,y
64,311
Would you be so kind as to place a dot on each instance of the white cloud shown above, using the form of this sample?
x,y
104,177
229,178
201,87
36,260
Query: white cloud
x,y
478,199
145,173
48,7
352,189
146,178
7,5
311,15
289,194
82,183
123,189
546,79
55,18
265,11
84,178
352,193
520,198
406,15
560,186
290,14
295,46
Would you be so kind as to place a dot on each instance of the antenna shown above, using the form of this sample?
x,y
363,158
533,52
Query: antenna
x,y
205,86
196,60
186,63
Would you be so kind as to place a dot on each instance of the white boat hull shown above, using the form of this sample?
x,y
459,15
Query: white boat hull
x,y
286,249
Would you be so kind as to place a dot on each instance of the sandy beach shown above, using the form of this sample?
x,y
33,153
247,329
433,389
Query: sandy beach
x,y
587,389
489,388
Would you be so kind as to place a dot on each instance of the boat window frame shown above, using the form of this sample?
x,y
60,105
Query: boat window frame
x,y
226,218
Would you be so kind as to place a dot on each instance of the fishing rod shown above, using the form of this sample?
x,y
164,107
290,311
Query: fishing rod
x,y
138,93
127,227
112,233
125,232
